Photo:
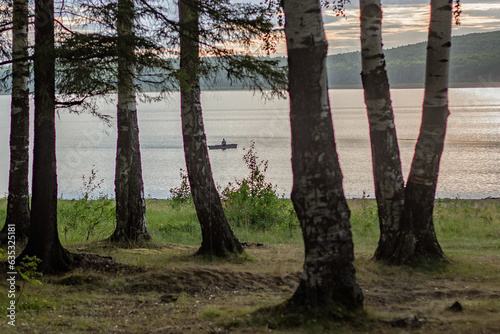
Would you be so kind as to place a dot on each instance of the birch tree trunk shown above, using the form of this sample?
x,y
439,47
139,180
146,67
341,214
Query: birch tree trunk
x,y
386,161
328,278
43,241
217,237
18,212
129,186
418,239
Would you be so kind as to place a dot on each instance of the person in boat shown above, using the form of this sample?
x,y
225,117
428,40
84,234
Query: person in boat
x,y
223,141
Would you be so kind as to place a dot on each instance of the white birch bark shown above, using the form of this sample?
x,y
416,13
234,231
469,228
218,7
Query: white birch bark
x,y
129,187
386,162
18,212
328,277
435,112
217,237
418,240
429,148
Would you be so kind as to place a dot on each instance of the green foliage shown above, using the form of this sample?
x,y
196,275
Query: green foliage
x,y
90,213
87,57
250,202
473,60
35,304
182,193
27,269
462,219
3,209
254,201
173,222
364,216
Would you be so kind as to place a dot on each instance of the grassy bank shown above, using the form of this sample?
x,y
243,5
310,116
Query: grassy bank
x,y
164,289
462,225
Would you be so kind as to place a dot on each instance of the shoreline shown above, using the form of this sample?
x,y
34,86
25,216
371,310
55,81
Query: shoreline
x,y
332,86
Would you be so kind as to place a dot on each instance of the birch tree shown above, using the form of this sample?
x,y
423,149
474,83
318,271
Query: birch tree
x,y
217,236
328,276
129,186
417,239
144,53
43,240
386,161
18,212
407,232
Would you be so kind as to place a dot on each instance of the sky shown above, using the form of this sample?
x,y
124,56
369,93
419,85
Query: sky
x,y
404,22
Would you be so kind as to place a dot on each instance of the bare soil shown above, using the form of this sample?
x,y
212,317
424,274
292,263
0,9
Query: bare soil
x,y
167,290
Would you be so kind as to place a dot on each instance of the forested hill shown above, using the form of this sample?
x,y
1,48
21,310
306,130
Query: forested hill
x,y
474,62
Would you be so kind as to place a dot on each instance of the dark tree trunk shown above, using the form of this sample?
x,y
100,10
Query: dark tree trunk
x,y
129,187
386,162
328,278
218,238
18,212
43,241
417,240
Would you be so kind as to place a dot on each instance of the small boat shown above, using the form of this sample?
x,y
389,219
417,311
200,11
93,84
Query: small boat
x,y
222,147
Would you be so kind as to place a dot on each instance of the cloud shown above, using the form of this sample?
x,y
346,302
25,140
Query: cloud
x,y
405,23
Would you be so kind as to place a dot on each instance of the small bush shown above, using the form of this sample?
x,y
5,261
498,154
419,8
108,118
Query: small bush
x,y
27,269
364,216
182,193
254,202
90,213
249,202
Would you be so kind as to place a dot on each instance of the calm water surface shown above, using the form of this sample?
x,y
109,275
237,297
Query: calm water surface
x,y
470,165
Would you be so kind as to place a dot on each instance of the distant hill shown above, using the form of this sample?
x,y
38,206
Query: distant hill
x,y
474,62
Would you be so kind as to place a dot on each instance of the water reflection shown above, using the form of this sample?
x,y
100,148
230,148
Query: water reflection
x,y
469,168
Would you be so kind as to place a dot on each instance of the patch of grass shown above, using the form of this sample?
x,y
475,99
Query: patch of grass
x,y
171,223
3,210
281,318
93,214
462,226
211,313
85,219
467,218
470,226
364,224
216,296
35,304
178,224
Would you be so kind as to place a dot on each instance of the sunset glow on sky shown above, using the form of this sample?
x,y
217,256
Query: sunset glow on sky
x,y
404,24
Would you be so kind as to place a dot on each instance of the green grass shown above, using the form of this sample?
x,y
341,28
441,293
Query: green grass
x,y
462,226
3,210
468,226
93,301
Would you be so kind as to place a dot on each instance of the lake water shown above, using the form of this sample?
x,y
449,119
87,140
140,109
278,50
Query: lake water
x,y
470,165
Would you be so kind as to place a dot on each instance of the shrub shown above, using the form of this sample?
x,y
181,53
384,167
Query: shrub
x,y
90,213
255,202
182,193
251,201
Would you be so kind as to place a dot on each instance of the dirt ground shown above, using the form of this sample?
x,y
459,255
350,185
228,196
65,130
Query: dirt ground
x,y
167,290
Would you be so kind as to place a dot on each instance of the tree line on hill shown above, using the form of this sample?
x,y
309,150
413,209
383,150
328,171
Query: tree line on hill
x,y
473,62
124,51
